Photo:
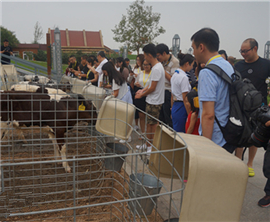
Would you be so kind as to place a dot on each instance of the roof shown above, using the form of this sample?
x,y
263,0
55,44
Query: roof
x,y
31,46
79,38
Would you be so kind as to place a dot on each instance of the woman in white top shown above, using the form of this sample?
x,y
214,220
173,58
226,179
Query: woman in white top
x,y
119,85
132,79
142,82
138,68
180,88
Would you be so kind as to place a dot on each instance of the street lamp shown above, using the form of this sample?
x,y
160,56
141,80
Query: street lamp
x,y
175,45
58,54
267,50
125,52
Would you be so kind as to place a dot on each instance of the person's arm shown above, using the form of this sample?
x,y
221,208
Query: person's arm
x,y
168,76
115,93
147,91
171,101
95,79
186,103
83,75
208,117
93,70
193,120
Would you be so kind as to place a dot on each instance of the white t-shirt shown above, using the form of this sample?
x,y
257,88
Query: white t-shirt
x,y
158,75
137,71
180,84
143,76
99,70
122,89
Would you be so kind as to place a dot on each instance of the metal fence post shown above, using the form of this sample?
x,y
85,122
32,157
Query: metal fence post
x,y
58,54
74,190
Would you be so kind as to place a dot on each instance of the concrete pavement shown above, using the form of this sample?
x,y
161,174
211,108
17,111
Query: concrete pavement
x,y
251,212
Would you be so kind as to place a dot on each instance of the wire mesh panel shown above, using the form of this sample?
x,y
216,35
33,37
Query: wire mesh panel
x,y
56,166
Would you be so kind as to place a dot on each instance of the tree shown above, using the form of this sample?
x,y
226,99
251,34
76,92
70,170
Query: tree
x,y
139,27
40,56
10,36
38,33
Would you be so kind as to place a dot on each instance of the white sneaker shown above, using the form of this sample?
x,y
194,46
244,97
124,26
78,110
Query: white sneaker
x,y
124,141
141,147
136,127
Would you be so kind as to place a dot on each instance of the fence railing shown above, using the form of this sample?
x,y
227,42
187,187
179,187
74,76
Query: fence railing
x,y
31,67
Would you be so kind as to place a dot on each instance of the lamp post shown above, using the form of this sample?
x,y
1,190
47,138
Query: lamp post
x,y
58,54
267,50
125,52
175,45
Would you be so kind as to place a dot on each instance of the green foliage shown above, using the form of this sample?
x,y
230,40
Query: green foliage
x,y
10,36
78,55
29,55
40,56
65,57
139,27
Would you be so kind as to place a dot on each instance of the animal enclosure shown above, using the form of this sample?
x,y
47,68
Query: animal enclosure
x,y
54,161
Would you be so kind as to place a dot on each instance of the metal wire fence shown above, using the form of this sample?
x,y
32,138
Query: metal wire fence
x,y
108,180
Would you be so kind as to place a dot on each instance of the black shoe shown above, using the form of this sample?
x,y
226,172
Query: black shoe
x,y
264,202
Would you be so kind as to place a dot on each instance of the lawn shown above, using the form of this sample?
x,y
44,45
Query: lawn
x,y
44,64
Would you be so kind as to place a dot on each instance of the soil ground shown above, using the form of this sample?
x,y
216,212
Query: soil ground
x,y
38,187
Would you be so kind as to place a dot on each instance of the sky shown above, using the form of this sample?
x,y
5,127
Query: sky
x,y
234,21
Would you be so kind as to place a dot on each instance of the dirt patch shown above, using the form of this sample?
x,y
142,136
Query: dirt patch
x,y
43,187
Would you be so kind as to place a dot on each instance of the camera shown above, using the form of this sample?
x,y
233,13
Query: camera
x,y
7,49
261,134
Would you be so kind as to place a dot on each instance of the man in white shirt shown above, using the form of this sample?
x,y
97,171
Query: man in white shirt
x,y
170,64
101,60
154,92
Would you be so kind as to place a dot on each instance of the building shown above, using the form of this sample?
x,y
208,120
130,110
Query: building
x,y
86,41
26,51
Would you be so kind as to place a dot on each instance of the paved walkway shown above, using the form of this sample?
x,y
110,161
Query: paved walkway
x,y
251,212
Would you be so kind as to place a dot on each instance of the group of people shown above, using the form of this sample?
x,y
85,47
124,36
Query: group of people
x,y
179,91
213,92
182,93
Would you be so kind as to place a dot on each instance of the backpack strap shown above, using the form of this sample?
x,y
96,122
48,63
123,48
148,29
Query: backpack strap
x,y
219,72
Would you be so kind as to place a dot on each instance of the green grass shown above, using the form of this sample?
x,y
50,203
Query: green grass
x,y
132,57
44,64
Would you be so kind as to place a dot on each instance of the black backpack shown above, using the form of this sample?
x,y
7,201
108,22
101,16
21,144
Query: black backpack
x,y
244,100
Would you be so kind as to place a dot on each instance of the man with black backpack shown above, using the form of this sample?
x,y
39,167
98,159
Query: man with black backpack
x,y
213,90
257,70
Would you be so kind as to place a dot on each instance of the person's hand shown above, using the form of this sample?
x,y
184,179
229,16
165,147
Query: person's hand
x,y
140,91
138,96
137,84
71,70
267,123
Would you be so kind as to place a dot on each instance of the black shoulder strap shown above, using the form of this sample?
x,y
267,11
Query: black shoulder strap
x,y
216,69
220,72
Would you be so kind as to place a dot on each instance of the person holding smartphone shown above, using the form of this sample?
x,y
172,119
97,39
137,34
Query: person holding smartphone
x,y
6,50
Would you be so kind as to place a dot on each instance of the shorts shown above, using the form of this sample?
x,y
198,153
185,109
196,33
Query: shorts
x,y
154,111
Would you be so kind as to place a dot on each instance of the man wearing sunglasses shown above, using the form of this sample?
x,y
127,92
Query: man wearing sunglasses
x,y
257,70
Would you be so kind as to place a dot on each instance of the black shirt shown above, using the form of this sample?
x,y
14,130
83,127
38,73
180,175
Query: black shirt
x,y
91,76
7,51
74,66
257,72
84,70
